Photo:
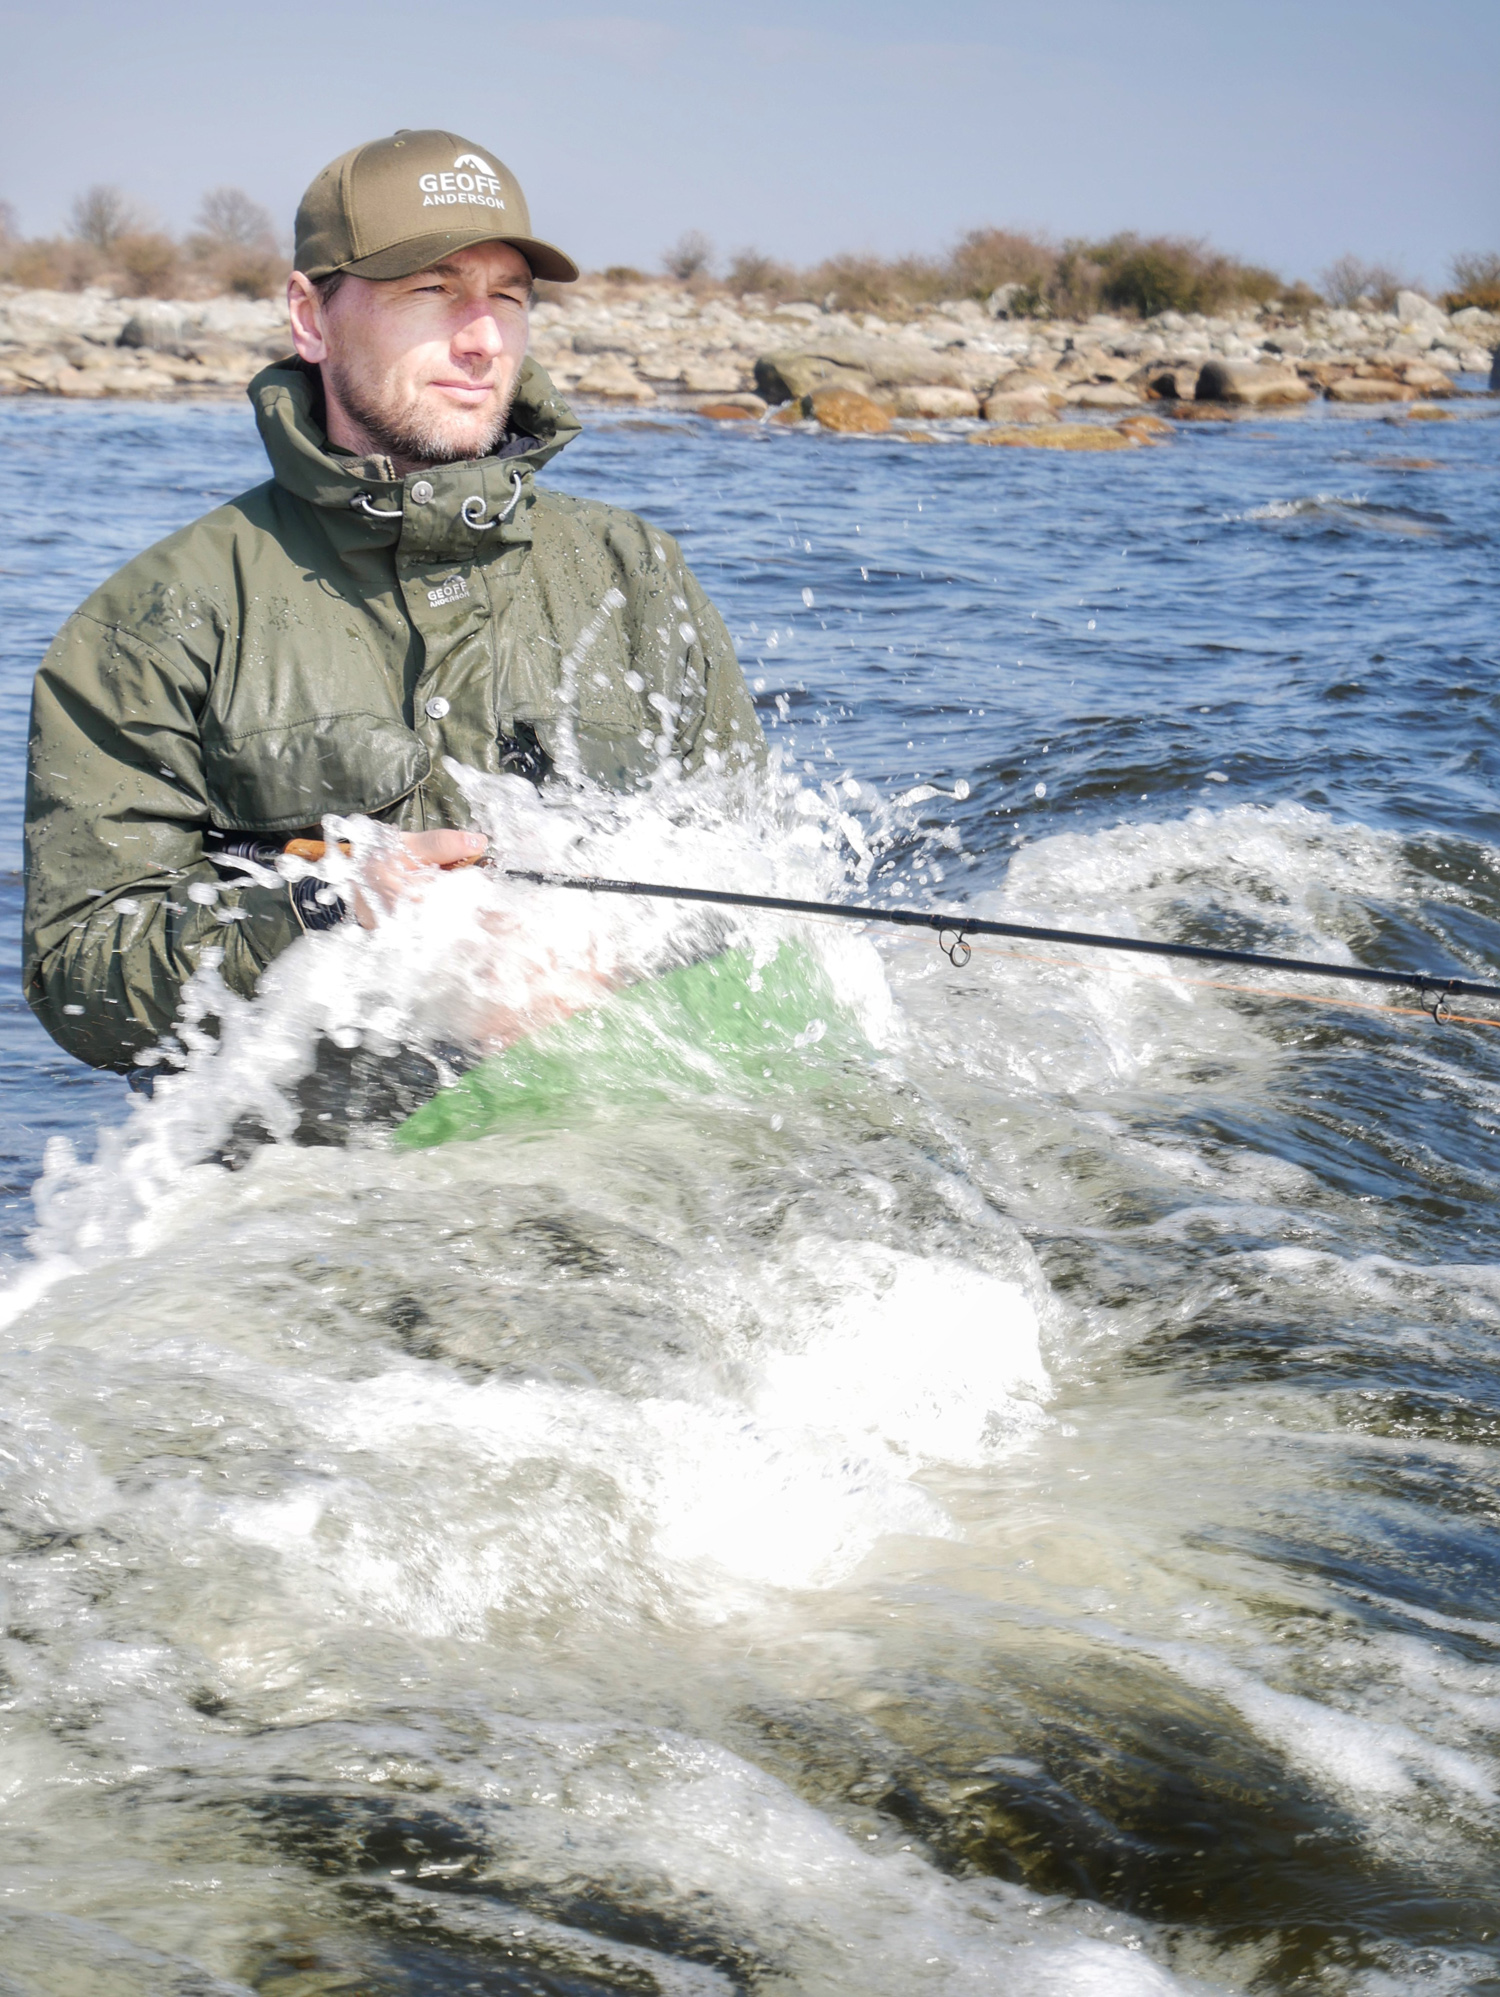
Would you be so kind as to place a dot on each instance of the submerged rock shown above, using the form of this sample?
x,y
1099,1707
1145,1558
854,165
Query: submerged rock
x,y
845,410
1060,437
733,408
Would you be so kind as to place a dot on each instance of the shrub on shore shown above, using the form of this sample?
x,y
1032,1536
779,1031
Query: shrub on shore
x,y
1134,275
112,244
1476,281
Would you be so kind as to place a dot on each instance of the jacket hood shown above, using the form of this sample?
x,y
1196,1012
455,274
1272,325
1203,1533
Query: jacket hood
x,y
286,395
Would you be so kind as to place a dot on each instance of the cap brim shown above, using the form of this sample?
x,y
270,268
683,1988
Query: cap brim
x,y
405,259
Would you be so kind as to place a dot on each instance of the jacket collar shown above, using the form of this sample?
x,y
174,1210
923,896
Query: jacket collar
x,y
366,494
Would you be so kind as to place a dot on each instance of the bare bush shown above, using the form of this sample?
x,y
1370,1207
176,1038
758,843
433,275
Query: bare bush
x,y
985,259
10,225
1349,282
102,216
873,284
229,220
49,263
751,270
690,256
148,265
1476,281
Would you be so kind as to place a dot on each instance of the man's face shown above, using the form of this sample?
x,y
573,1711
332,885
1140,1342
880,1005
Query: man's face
x,y
420,369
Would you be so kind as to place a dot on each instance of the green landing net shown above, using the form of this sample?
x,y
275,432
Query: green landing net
x,y
720,1027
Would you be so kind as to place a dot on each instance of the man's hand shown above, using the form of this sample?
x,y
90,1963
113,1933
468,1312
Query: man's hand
x,y
405,867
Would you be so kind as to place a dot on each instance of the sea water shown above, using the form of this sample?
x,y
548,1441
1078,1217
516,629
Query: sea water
x,y
999,1495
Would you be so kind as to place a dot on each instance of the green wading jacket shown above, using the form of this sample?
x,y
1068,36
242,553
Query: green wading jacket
x,y
319,645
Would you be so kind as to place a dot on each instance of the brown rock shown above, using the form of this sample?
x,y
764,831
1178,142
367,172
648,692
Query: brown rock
x,y
936,402
1256,384
1145,429
1059,437
725,412
789,412
1423,412
845,410
917,437
1368,388
741,404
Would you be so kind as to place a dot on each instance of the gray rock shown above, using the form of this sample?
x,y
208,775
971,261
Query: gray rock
x,y
788,377
1412,309
1253,383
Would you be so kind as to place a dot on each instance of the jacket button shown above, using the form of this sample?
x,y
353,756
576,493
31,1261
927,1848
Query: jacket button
x,y
437,707
421,492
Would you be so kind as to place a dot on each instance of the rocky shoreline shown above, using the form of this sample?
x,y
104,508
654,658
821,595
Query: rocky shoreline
x,y
743,359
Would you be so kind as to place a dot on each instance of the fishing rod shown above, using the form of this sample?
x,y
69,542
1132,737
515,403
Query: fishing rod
x,y
953,932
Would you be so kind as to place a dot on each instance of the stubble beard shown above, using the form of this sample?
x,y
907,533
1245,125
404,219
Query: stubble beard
x,y
399,428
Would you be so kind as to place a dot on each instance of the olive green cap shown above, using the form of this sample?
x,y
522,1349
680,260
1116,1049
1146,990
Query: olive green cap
x,y
392,207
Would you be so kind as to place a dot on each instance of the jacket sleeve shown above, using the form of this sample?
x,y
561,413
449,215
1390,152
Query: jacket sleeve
x,y
121,904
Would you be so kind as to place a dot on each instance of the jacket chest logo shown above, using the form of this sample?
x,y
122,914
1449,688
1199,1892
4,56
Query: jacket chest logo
x,y
454,590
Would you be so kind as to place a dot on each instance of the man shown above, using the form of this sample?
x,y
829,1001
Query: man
x,y
399,592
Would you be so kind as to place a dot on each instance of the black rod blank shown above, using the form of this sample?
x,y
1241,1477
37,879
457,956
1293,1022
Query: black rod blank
x,y
962,926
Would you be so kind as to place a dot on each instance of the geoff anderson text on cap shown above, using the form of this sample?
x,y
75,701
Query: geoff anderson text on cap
x,y
394,206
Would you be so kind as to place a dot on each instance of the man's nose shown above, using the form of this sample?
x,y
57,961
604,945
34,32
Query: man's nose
x,y
479,336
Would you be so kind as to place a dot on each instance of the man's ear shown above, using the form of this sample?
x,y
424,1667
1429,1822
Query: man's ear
x,y
305,310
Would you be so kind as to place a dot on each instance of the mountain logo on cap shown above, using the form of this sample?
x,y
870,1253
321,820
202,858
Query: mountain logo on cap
x,y
479,165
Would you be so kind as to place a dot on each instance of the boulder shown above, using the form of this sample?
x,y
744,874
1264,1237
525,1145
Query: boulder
x,y
1412,309
784,375
789,377
713,374
845,410
1254,384
1059,437
1015,408
1474,360
1368,388
1424,376
936,402
1044,389
1104,395
612,381
602,343
159,322
1177,382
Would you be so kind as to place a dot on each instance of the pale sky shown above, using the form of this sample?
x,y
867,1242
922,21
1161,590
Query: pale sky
x,y
1286,131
